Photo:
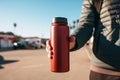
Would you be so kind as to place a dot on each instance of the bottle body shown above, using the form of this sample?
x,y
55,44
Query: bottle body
x,y
59,38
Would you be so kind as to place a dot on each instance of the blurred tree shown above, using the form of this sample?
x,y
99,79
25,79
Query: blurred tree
x,y
77,21
17,38
6,33
75,24
2,33
9,33
15,25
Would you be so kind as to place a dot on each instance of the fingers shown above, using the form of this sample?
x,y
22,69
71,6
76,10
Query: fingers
x,y
49,48
50,54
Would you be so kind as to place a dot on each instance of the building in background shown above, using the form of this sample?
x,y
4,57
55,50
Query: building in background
x,y
6,41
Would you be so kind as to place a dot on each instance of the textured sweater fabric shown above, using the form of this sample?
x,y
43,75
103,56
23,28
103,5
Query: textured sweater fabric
x,y
106,44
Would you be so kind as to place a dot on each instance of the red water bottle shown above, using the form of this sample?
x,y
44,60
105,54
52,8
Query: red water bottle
x,y
59,38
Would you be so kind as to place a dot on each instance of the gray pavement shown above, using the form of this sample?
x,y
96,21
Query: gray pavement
x,y
34,65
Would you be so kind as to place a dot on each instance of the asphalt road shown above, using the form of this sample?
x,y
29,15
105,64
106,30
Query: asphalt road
x,y
34,65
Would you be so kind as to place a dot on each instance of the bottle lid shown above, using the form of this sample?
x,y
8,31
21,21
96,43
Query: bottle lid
x,y
59,20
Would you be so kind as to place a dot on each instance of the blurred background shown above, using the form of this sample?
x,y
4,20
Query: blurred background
x,y
26,19
24,29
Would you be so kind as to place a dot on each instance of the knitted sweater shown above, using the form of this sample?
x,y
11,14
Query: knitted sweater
x,y
106,44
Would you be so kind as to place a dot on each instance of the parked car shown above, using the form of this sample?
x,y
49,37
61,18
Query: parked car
x,y
20,44
34,43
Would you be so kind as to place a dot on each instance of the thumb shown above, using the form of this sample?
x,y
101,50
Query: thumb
x,y
72,42
72,39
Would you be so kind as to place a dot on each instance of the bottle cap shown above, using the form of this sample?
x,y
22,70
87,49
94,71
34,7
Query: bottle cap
x,y
59,20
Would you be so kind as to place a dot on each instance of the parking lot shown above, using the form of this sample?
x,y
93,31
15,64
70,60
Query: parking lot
x,y
34,65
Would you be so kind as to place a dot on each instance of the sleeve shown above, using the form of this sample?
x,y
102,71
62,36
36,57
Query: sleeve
x,y
86,25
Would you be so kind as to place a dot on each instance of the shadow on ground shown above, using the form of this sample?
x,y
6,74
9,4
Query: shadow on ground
x,y
3,61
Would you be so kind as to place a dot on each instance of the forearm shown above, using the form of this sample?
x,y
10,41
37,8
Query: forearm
x,y
86,24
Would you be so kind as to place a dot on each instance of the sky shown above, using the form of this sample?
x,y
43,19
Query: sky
x,y
34,17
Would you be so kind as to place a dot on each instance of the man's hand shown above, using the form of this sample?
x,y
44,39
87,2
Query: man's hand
x,y
49,47
72,40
